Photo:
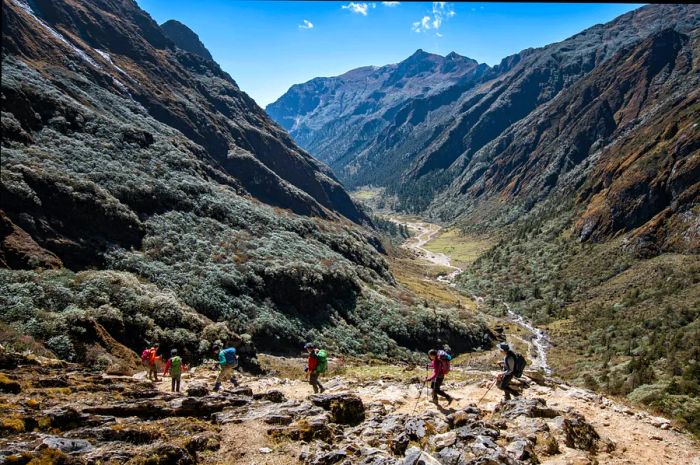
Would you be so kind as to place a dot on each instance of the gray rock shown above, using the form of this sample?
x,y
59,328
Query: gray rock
x,y
69,446
577,432
533,408
197,390
278,419
272,396
346,409
520,450
415,428
415,456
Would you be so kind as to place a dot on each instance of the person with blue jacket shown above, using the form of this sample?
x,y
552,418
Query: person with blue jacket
x,y
228,361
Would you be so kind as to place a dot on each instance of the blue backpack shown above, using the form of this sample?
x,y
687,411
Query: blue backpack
x,y
230,355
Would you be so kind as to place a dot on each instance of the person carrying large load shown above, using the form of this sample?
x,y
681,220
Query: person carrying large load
x,y
228,361
150,358
175,366
513,366
316,365
440,363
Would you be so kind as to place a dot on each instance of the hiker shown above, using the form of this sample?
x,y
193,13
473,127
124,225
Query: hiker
x,y
440,363
316,365
175,366
228,361
510,368
150,357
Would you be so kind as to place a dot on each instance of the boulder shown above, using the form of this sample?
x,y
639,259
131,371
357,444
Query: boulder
x,y
577,433
69,446
533,408
415,456
522,450
461,418
546,444
399,443
346,409
197,390
271,396
415,428
329,458
304,429
440,441
536,376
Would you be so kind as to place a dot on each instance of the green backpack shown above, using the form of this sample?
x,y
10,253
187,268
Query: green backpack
x,y
322,361
175,364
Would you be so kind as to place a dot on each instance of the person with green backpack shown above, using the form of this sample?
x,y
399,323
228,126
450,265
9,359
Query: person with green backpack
x,y
317,364
175,366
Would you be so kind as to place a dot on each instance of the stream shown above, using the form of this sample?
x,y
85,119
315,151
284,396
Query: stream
x,y
424,233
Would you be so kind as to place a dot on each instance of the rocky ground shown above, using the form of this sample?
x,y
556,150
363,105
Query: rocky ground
x,y
55,412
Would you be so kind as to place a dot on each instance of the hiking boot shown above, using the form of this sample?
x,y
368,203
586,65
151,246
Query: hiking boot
x,y
216,387
449,400
434,400
322,389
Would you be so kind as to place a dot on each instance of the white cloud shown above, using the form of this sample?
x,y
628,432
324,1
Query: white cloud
x,y
359,8
441,11
306,25
391,4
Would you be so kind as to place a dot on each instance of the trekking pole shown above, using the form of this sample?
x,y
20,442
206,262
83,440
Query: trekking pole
x,y
420,393
487,391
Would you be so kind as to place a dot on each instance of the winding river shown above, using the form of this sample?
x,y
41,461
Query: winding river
x,y
422,234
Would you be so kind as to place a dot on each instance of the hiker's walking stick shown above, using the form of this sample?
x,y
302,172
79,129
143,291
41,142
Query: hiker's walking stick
x,y
487,391
420,393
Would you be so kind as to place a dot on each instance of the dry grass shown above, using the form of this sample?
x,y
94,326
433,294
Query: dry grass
x,y
462,249
420,280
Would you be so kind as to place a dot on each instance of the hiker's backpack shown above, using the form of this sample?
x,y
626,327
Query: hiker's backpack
x,y
445,359
145,355
230,355
520,363
175,364
322,358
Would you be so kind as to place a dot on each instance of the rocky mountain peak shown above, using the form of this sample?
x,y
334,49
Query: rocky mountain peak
x,y
185,38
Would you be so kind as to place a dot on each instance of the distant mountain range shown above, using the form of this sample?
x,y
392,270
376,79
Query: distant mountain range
x,y
577,119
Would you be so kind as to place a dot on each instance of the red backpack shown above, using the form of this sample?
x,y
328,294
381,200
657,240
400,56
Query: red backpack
x,y
145,355
444,358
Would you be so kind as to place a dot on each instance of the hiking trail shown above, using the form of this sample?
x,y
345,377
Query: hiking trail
x,y
424,233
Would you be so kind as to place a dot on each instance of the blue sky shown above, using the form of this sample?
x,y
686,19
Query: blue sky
x,y
268,46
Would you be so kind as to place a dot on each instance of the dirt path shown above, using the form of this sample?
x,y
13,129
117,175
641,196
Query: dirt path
x,y
424,233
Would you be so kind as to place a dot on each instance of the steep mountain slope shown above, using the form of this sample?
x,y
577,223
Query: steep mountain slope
x,y
424,144
344,120
146,197
621,140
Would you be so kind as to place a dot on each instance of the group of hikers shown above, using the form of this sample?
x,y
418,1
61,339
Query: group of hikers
x,y
227,362
317,364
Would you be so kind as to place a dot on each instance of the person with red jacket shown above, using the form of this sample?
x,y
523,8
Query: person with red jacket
x,y
438,377
312,364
